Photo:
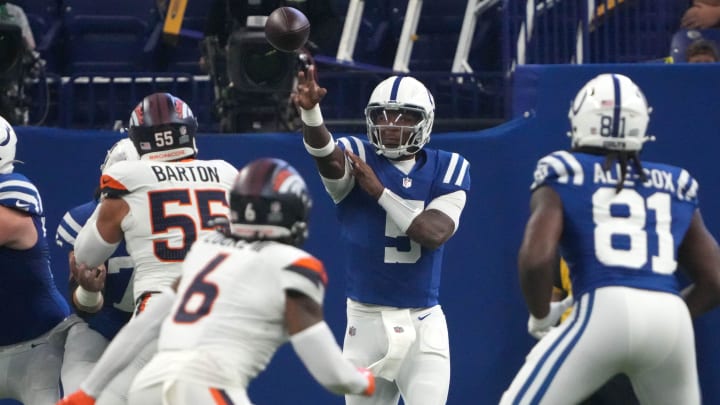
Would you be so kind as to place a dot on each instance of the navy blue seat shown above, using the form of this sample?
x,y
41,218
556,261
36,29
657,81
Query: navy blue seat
x,y
107,39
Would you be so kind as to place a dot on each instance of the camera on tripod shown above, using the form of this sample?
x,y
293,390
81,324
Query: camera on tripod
x,y
18,66
253,81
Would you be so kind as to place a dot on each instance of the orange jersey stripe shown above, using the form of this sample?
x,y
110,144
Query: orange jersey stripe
x,y
109,182
313,264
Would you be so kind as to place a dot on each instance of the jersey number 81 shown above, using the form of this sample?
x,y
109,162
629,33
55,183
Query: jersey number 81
x,y
633,226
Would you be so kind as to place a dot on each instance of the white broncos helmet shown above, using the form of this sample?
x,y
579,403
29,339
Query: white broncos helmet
x,y
8,143
123,149
403,94
610,112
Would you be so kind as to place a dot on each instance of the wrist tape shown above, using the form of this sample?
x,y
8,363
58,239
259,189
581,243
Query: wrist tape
x,y
326,150
312,117
87,298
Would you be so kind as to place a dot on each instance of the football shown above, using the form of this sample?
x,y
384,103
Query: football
x,y
287,29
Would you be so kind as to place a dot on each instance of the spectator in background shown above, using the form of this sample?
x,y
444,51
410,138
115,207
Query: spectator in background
x,y
703,14
702,51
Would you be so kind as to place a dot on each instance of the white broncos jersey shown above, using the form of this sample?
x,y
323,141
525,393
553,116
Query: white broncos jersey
x,y
171,205
229,316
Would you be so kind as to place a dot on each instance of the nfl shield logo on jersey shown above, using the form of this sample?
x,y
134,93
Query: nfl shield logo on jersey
x,y
407,182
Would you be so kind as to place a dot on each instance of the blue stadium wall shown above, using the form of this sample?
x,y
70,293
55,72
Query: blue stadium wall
x,y
480,293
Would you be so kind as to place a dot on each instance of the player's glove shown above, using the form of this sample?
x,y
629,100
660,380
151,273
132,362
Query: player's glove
x,y
78,397
371,381
538,328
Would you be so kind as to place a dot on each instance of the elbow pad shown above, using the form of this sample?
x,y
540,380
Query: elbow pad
x,y
318,350
90,247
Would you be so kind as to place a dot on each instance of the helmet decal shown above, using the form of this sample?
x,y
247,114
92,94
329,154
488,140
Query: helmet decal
x,y
269,201
163,128
609,112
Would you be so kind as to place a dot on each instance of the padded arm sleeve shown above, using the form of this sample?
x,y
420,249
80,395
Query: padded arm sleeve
x,y
90,247
129,342
340,188
451,204
318,350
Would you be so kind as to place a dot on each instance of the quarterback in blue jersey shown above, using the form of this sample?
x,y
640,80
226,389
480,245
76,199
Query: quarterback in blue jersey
x,y
623,226
398,202
33,311
103,297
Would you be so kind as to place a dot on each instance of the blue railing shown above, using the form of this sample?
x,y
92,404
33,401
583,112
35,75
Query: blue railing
x,y
104,100
589,31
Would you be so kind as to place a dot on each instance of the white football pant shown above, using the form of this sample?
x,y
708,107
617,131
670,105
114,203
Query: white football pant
x,y
647,335
424,375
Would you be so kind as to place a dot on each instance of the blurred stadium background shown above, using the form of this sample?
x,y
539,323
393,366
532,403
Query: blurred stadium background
x,y
502,72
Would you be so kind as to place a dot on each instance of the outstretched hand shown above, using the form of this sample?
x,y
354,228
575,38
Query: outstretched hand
x,y
365,176
308,92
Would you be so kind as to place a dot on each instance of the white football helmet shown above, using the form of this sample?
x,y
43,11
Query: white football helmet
x,y
123,149
405,96
610,112
8,143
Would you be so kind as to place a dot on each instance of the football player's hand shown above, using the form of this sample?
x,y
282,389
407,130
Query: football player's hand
x,y
78,397
538,328
92,280
308,93
371,381
365,176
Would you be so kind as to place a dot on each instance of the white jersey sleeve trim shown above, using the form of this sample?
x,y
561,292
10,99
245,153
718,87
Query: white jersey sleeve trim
x,y
577,170
451,204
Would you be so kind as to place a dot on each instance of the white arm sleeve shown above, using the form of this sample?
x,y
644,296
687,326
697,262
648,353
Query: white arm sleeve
x,y
129,342
340,188
450,204
90,247
318,350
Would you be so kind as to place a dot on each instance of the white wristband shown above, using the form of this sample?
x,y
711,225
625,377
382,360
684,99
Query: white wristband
x,y
86,298
312,117
326,150
398,209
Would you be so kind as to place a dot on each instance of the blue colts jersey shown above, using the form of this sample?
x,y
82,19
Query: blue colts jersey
x,y
385,267
118,305
629,238
31,303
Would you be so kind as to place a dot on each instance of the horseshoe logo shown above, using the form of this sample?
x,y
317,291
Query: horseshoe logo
x,y
7,137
